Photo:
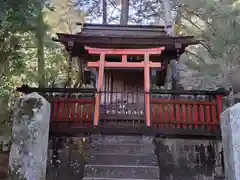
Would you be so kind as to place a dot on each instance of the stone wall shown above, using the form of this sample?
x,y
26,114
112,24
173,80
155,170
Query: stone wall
x,y
66,158
4,157
189,159
4,165
177,159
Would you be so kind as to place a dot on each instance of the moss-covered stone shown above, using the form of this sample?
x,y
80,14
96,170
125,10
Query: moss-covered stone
x,y
29,138
15,174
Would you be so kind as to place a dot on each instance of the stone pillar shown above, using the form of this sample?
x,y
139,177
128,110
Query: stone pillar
x,y
28,154
230,128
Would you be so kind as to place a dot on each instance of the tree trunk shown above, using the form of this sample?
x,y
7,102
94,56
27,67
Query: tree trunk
x,y
40,49
175,75
124,12
80,75
104,10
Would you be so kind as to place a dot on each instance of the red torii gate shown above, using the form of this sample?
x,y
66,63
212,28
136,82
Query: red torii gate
x,y
146,65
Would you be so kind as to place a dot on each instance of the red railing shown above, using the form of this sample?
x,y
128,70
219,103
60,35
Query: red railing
x,y
184,110
72,106
72,110
191,110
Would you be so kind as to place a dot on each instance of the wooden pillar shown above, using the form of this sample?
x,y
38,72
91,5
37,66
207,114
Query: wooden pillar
x,y
147,88
99,88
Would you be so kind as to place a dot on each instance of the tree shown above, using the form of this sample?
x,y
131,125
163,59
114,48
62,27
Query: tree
x,y
174,64
16,22
40,33
217,25
124,12
104,10
25,47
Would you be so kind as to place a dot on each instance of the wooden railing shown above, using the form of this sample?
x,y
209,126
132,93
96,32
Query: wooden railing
x,y
189,110
184,110
72,110
72,106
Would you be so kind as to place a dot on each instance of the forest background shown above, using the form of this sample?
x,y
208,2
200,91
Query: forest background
x,y
29,56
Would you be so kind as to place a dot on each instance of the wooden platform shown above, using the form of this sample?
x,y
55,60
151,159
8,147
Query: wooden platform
x,y
66,130
185,114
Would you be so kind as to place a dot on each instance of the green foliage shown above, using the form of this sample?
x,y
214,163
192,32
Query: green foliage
x,y
20,33
216,23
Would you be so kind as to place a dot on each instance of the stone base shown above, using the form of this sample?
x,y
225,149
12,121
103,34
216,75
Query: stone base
x,y
230,127
4,165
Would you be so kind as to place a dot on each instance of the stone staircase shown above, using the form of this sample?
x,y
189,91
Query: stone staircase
x,y
121,158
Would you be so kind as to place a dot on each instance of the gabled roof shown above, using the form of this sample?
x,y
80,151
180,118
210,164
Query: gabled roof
x,y
124,36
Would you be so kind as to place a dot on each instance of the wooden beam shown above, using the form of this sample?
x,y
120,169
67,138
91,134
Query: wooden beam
x,y
150,51
125,65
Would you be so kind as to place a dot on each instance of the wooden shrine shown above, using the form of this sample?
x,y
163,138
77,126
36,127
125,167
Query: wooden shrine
x,y
127,61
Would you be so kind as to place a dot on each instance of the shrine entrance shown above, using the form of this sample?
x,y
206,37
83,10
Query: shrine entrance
x,y
122,97
132,104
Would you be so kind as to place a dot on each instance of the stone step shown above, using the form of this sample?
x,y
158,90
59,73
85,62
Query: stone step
x,y
121,149
107,139
117,171
123,159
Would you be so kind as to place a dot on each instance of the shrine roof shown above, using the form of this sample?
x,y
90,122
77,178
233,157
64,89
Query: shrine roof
x,y
123,36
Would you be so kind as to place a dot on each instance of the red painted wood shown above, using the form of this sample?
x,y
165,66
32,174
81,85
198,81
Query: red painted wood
x,y
78,112
178,115
67,107
88,112
55,112
184,120
147,89
61,111
154,115
189,116
124,58
146,65
166,115
72,110
164,101
195,116
172,117
208,117
214,117
202,117
84,116
160,115
125,65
